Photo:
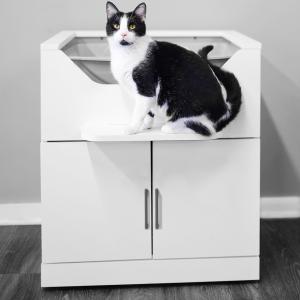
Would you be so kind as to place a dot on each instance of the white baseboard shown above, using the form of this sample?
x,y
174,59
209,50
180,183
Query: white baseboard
x,y
30,213
20,213
280,207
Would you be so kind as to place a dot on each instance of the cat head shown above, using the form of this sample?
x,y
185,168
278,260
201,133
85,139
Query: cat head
x,y
125,28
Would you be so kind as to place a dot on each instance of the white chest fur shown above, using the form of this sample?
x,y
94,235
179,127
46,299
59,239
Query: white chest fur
x,y
125,58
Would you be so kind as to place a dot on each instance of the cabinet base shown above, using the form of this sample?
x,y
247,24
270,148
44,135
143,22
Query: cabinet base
x,y
150,271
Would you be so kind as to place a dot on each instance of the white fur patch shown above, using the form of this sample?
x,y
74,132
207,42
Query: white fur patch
x,y
224,94
125,58
223,90
179,126
123,25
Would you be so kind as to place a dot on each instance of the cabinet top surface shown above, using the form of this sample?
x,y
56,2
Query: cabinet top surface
x,y
117,133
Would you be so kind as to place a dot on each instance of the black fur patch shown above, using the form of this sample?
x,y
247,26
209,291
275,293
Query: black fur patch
x,y
145,74
125,43
234,94
205,50
151,114
115,19
140,26
198,128
187,84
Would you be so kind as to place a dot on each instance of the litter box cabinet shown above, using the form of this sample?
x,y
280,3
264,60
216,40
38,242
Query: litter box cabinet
x,y
150,207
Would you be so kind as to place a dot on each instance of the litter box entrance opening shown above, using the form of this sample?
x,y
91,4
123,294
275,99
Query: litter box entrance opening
x,y
91,54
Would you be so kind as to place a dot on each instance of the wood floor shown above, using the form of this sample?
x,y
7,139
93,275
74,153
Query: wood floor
x,y
20,258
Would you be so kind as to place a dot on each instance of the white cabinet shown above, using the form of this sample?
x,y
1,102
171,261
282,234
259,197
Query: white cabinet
x,y
93,201
206,198
150,207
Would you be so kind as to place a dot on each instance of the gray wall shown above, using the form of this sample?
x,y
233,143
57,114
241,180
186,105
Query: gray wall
x,y
25,24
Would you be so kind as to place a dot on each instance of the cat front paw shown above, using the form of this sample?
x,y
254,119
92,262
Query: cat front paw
x,y
147,123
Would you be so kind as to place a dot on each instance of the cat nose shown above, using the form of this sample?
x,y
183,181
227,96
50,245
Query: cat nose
x,y
124,34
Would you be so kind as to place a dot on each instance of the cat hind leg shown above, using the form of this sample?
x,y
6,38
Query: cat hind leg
x,y
177,126
199,124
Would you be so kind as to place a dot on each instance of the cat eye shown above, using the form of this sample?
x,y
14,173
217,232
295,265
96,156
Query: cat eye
x,y
131,26
116,26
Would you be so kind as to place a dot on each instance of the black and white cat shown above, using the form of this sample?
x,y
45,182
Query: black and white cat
x,y
168,81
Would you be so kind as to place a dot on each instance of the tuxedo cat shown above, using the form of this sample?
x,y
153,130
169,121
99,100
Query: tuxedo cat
x,y
180,87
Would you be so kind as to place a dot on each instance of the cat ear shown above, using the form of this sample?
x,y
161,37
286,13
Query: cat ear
x,y
111,9
140,11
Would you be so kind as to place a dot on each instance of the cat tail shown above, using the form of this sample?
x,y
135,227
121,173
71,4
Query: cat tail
x,y
205,50
232,87
234,96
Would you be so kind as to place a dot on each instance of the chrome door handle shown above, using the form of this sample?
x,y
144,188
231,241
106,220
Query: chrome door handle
x,y
147,226
157,224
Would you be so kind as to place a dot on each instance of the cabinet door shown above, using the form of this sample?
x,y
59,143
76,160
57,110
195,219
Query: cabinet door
x,y
207,198
93,201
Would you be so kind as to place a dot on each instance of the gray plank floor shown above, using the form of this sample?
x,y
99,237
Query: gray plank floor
x,y
20,258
